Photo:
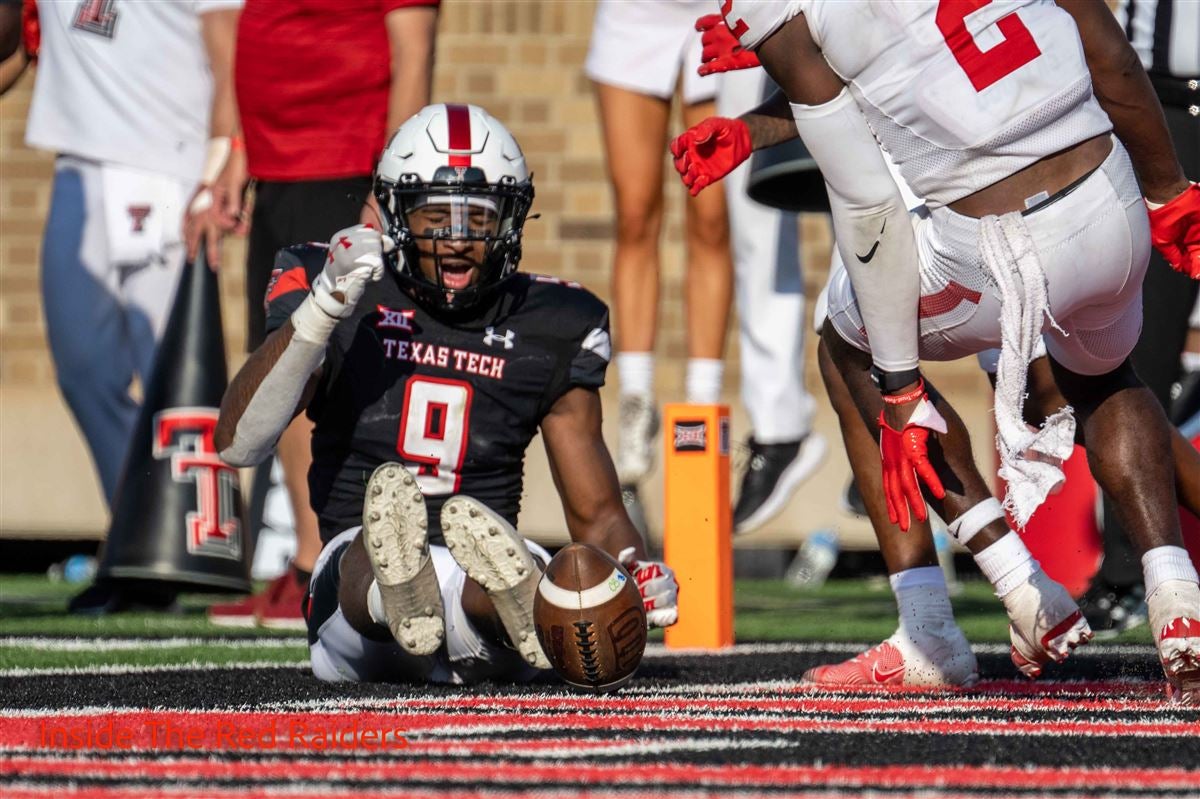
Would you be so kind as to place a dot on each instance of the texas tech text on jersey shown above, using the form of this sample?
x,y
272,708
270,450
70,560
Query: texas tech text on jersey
x,y
454,397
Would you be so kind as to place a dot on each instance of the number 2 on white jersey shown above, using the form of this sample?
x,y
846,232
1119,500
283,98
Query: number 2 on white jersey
x,y
984,68
433,431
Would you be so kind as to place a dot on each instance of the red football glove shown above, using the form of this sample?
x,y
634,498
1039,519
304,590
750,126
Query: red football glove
x,y
722,52
709,151
1175,231
905,458
31,29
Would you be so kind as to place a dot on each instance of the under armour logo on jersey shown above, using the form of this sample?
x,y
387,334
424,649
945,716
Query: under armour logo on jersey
x,y
391,318
490,337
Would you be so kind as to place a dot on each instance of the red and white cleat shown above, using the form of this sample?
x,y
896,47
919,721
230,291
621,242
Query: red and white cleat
x,y
1045,624
923,659
1175,618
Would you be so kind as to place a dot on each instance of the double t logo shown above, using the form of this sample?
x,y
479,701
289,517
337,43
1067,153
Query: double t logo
x,y
185,435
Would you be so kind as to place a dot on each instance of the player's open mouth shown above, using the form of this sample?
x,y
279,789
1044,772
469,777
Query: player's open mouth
x,y
457,274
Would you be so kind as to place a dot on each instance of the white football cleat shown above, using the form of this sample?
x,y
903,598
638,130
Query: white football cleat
x,y
494,555
937,656
1175,620
636,438
395,535
1045,624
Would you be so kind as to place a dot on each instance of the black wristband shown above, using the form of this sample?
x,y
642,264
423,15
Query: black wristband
x,y
889,382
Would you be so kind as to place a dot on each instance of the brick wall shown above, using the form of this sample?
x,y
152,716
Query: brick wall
x,y
523,61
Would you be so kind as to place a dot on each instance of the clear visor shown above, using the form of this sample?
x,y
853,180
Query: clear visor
x,y
454,216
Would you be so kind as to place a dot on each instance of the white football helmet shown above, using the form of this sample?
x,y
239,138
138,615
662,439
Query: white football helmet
x,y
462,159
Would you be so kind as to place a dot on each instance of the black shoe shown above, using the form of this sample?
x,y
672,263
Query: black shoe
x,y
773,473
852,500
107,596
1111,609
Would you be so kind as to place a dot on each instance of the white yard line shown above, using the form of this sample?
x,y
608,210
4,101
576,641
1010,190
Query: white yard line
x,y
81,644
122,668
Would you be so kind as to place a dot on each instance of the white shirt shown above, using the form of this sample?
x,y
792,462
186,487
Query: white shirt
x,y
125,82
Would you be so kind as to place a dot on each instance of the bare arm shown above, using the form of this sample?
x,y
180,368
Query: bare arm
x,y
10,29
771,122
11,70
585,476
248,383
219,29
411,40
1126,95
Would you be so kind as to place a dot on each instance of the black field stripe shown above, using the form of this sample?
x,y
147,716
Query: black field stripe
x,y
807,749
458,788
217,687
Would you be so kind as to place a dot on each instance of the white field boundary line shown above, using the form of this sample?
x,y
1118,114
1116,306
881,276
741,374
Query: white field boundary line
x,y
46,644
124,668
816,647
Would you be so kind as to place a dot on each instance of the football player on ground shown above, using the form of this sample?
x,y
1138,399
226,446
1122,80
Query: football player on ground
x,y
1034,214
428,364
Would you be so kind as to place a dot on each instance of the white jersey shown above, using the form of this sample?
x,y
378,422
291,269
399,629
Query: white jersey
x,y
124,82
958,101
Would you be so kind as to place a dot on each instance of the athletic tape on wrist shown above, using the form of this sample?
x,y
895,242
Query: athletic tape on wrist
x,y
216,153
966,526
316,317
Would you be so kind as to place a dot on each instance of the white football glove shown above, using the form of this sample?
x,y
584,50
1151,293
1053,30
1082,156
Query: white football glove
x,y
657,585
355,259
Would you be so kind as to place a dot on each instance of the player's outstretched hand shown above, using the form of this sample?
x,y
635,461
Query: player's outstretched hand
x,y
709,151
905,456
355,259
721,52
1175,231
658,587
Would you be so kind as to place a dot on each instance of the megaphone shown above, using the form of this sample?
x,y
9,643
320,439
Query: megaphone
x,y
177,515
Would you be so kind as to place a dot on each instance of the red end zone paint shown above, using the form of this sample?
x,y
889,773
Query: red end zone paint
x,y
215,731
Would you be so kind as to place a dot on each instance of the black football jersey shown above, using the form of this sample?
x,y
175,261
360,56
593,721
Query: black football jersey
x,y
455,399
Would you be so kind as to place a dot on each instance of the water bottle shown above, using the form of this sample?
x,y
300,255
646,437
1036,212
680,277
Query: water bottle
x,y
75,569
814,561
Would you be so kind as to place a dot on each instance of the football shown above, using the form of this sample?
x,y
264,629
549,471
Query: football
x,y
589,618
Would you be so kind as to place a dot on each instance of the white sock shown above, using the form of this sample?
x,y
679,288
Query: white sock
x,y
635,373
1190,361
702,380
922,599
375,605
1167,563
1006,564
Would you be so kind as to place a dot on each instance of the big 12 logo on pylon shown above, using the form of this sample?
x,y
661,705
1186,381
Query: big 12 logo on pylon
x,y
185,435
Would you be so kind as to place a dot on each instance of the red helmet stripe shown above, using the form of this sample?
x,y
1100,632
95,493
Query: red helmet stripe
x,y
458,123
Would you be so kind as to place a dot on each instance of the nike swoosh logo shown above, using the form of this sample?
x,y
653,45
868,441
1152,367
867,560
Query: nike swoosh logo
x,y
871,252
883,677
